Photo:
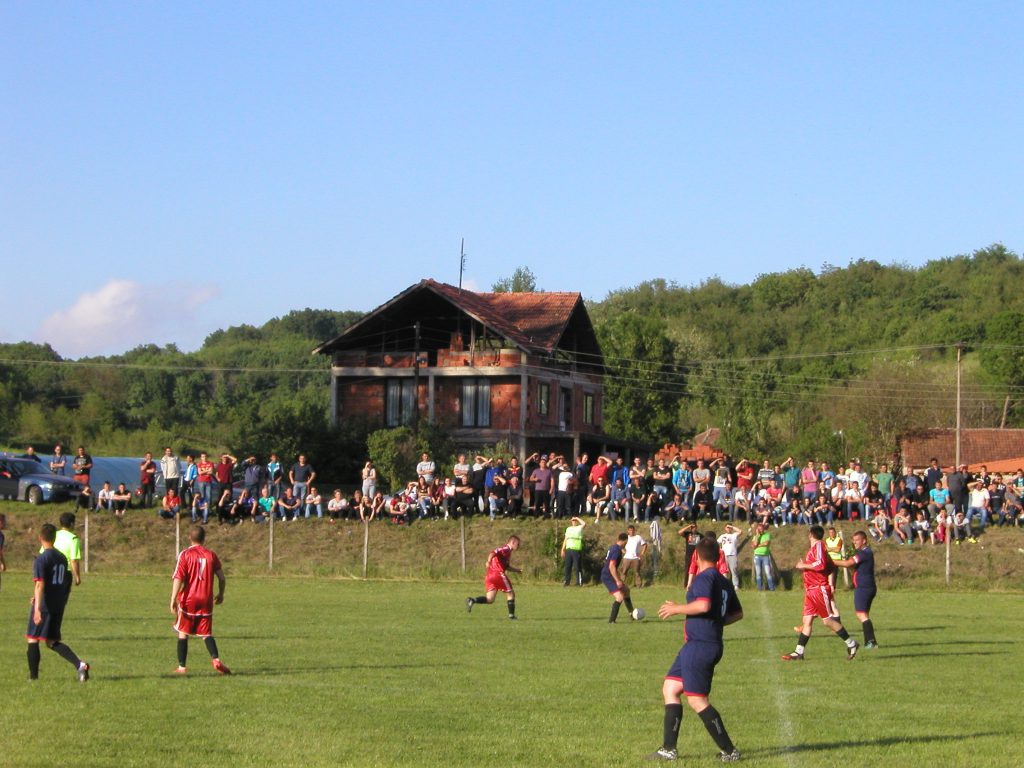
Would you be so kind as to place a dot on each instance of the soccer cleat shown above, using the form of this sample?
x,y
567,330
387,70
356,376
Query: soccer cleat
x,y
220,666
851,651
180,671
793,656
469,604
729,757
871,644
83,673
663,754
513,617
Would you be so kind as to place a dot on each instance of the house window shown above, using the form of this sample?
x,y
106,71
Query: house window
x,y
400,402
544,398
588,409
476,403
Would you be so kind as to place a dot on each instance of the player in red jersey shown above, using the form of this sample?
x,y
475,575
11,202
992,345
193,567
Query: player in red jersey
x,y
192,598
721,566
498,563
818,599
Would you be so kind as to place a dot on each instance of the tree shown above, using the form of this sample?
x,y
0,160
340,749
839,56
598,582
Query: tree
x,y
1003,356
522,281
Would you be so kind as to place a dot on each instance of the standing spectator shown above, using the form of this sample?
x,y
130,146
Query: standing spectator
x,y
188,480
763,559
301,475
30,454
884,480
682,478
933,474
369,477
956,483
3,524
572,551
426,468
638,497
275,474
632,555
745,476
204,478
170,470
565,481
582,485
701,476
253,476
81,467
541,482
662,480
59,460
729,542
223,474
147,480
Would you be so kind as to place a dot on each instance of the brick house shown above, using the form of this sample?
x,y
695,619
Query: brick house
x,y
521,367
977,447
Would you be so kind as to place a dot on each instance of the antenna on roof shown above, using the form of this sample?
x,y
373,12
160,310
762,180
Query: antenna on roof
x,y
462,261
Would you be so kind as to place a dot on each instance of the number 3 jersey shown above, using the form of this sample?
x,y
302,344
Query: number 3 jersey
x,y
196,568
710,585
51,568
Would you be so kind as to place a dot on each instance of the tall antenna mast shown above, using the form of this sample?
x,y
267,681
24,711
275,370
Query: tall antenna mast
x,y
462,261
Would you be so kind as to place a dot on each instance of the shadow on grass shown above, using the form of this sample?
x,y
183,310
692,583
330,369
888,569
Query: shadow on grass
x,y
958,643
914,629
203,671
887,656
887,741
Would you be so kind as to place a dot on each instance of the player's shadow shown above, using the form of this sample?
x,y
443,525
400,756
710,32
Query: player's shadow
x,y
885,741
316,669
889,656
957,643
913,629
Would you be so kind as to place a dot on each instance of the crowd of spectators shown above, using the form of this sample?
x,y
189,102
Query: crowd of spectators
x,y
917,505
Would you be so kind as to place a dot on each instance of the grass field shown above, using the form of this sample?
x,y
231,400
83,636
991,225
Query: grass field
x,y
335,672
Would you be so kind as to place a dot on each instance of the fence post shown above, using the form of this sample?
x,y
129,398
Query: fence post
x,y
366,545
270,541
949,562
462,536
177,534
86,563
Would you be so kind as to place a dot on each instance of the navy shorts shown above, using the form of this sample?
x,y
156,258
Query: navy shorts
x,y
694,667
862,599
610,584
48,629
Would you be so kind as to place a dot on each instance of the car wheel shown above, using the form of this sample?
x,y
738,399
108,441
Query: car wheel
x,y
34,495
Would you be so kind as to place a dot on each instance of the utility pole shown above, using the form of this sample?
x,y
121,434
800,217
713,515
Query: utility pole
x,y
416,384
959,352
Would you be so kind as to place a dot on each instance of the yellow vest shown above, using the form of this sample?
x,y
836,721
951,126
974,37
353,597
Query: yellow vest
x,y
834,547
574,537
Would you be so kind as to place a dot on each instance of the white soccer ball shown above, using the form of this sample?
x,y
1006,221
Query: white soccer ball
x,y
638,614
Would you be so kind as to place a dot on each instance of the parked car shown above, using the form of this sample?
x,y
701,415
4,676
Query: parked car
x,y
27,480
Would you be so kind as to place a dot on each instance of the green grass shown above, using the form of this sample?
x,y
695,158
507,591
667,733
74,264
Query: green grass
x,y
335,672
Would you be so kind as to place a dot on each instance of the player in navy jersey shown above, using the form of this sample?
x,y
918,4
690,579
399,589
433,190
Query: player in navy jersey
x,y
711,604
192,598
52,587
612,579
3,524
864,589
496,580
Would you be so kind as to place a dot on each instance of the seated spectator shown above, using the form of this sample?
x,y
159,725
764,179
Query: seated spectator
x,y
399,510
314,503
880,526
338,506
619,501
170,506
873,501
86,499
600,499
673,509
901,526
121,500
224,503
105,498
741,503
200,509
961,529
702,502
996,499
266,506
288,505
724,509
922,529
377,506
941,526
938,498
1012,507
979,502
237,511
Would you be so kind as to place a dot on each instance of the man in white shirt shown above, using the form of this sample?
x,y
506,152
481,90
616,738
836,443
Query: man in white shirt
x,y
728,541
635,549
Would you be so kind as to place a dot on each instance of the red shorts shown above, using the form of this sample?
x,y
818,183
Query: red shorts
x,y
818,601
497,581
200,625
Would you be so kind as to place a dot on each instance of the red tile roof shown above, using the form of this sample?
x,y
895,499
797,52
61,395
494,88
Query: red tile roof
x,y
977,446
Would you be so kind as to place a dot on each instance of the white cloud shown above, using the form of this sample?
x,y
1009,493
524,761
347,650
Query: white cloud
x,y
123,314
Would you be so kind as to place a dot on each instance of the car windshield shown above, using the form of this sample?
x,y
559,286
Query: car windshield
x,y
21,467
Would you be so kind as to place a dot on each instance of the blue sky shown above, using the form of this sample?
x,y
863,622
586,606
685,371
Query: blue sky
x,y
170,169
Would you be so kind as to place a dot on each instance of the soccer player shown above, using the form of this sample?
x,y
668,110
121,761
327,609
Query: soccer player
x,y
498,564
192,598
864,589
3,524
818,597
612,579
711,604
52,587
